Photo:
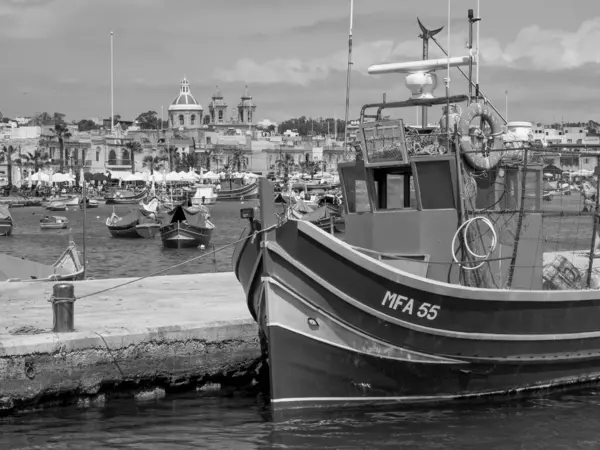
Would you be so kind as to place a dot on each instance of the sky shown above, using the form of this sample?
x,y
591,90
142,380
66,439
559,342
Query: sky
x,y
292,54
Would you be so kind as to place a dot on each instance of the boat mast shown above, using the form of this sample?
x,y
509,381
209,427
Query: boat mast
x,y
84,192
346,152
112,104
425,35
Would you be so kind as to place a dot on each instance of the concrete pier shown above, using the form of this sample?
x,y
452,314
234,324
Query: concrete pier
x,y
145,339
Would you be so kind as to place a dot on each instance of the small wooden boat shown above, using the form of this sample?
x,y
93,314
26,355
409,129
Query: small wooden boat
x,y
184,227
53,222
205,195
126,197
56,206
6,221
125,227
90,204
71,201
247,192
148,230
66,268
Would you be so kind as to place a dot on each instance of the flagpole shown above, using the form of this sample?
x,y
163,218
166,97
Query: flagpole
x,y
348,78
112,105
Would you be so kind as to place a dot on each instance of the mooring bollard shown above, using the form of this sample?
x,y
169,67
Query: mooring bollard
x,y
63,307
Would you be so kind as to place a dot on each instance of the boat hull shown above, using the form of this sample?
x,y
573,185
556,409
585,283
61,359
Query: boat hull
x,y
53,226
208,201
124,232
5,228
56,207
126,200
148,230
181,235
248,192
340,327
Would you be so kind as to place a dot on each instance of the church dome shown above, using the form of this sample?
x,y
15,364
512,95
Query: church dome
x,y
185,101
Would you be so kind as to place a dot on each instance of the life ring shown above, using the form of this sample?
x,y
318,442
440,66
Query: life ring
x,y
478,154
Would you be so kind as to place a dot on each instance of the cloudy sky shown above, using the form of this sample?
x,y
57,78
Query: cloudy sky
x,y
292,54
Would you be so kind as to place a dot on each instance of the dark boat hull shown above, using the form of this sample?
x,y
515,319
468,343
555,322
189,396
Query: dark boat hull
x,y
248,192
182,235
124,232
126,200
148,230
340,327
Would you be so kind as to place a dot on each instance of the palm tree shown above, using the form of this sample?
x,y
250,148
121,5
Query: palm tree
x,y
36,160
133,147
172,156
62,132
237,160
6,156
154,162
285,162
190,161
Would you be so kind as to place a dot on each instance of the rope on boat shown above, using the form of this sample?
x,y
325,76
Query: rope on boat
x,y
252,237
465,228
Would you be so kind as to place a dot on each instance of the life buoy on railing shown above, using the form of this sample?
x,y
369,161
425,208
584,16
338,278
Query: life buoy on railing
x,y
476,145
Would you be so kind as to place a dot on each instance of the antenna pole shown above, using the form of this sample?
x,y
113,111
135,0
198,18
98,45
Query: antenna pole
x,y
112,105
84,227
477,65
425,35
348,79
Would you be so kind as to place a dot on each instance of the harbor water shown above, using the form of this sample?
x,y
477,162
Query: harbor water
x,y
110,257
194,420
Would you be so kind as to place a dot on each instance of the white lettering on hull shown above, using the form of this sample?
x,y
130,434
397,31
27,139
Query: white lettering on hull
x,y
407,305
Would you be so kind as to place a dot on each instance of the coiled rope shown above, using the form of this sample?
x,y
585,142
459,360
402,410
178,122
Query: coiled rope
x,y
465,228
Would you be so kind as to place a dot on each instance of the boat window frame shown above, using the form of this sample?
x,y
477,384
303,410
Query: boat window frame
x,y
373,188
417,160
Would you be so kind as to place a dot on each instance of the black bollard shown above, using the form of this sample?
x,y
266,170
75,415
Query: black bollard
x,y
63,307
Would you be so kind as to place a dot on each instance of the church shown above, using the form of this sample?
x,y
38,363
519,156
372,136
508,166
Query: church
x,y
185,113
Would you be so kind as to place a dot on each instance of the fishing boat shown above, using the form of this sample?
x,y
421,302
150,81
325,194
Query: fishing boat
x,y
6,221
148,230
325,217
205,195
53,222
447,293
56,206
237,192
184,227
66,268
125,197
126,226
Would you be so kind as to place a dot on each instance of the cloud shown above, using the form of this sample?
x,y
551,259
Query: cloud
x,y
536,48
533,48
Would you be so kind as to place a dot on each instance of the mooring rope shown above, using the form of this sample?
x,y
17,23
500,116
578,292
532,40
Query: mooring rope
x,y
212,252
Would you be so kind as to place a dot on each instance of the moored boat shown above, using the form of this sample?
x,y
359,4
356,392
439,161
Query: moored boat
x,y
56,206
53,222
66,268
245,192
6,221
125,227
91,203
436,294
147,230
205,195
125,197
184,227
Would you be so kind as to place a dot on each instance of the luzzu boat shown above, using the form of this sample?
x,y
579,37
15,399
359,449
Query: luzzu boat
x,y
238,192
184,227
125,197
439,294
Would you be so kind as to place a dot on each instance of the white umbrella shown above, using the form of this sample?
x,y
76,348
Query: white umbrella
x,y
173,176
133,177
211,175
